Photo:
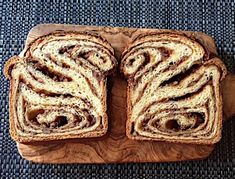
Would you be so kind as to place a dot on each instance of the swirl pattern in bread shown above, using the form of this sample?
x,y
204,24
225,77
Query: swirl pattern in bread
x,y
58,87
173,89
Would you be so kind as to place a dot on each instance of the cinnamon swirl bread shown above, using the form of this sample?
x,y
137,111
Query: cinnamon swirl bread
x,y
173,89
58,87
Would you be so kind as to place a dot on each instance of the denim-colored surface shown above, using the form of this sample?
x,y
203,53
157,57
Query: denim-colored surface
x,y
216,18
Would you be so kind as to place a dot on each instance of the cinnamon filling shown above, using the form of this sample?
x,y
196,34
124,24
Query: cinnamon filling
x,y
32,115
174,124
56,76
66,49
165,52
59,121
177,78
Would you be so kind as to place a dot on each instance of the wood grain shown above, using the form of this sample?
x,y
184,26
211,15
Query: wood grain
x,y
115,147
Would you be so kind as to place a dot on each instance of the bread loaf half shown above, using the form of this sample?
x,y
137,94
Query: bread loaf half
x,y
58,87
173,89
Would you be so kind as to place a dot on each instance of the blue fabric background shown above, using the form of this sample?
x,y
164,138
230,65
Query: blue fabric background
x,y
216,18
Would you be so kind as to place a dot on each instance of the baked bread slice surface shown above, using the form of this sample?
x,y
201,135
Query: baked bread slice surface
x,y
173,89
58,87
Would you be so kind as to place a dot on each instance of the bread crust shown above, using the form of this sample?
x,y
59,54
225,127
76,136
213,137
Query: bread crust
x,y
34,138
211,57
89,36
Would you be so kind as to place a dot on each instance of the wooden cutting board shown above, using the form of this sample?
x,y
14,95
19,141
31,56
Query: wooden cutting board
x,y
115,147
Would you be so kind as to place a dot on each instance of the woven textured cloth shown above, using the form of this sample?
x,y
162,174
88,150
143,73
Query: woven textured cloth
x,y
214,17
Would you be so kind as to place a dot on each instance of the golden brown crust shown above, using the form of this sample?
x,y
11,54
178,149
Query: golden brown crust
x,y
16,59
9,65
81,35
211,58
205,40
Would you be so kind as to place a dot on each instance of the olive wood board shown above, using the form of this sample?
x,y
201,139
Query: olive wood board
x,y
115,147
